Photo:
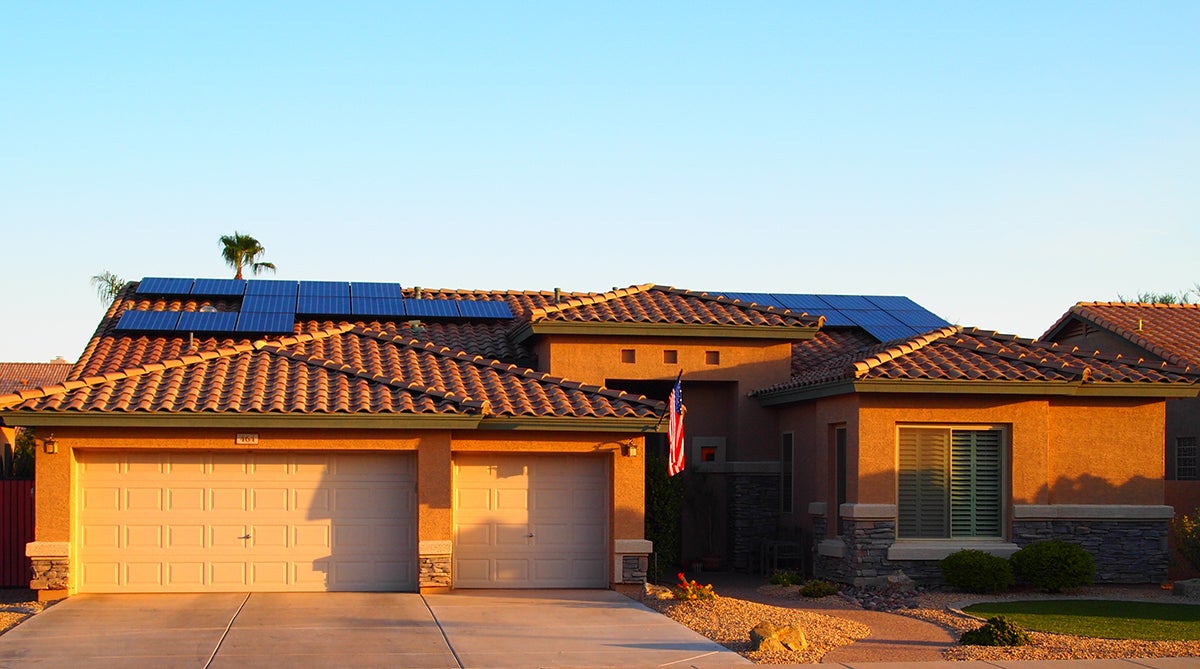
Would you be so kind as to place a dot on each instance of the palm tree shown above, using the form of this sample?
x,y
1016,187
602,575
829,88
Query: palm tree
x,y
244,251
108,286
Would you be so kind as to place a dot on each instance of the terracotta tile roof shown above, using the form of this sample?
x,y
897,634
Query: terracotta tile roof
x,y
649,303
16,376
1169,331
958,354
341,369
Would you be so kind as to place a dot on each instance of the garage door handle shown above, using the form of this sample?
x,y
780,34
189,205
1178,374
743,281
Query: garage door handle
x,y
245,536
531,535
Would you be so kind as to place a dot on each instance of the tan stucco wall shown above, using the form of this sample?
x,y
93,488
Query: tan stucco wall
x,y
744,366
1063,450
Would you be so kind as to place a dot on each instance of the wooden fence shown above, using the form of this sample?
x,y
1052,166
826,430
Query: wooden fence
x,y
16,530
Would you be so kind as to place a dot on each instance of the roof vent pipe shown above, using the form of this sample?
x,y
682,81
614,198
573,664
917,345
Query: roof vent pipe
x,y
417,292
1139,325
557,295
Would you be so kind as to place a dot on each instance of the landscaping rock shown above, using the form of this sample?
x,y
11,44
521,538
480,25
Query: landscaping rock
x,y
767,636
658,592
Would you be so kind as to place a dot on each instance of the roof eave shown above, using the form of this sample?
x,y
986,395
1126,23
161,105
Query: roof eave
x,y
689,330
974,387
573,424
241,420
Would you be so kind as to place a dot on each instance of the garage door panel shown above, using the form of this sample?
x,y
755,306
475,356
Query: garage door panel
x,y
500,500
274,521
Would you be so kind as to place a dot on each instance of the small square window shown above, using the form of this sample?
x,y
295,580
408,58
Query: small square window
x,y
628,355
712,357
670,357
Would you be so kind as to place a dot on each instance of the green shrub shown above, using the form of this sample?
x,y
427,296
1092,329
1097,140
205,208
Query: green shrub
x,y
1187,537
998,631
1051,566
977,571
818,588
785,578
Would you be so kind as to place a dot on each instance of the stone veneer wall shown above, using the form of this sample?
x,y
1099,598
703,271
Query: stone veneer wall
x,y
434,571
634,568
50,573
1125,551
753,516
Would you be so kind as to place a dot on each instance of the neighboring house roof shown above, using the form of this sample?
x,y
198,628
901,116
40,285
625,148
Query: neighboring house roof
x,y
945,358
16,376
1170,332
343,369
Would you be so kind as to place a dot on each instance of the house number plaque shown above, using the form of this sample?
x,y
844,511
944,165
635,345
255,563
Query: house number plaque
x,y
246,438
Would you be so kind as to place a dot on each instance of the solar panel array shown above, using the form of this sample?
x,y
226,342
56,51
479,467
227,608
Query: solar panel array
x,y
884,317
271,306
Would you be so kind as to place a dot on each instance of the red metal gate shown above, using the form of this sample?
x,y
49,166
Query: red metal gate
x,y
16,530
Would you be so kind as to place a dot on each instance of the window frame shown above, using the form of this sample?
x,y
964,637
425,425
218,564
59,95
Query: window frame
x,y
1001,474
1191,471
787,477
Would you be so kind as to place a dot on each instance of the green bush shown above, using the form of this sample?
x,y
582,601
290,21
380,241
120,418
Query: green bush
x,y
1187,537
977,571
785,578
818,588
1051,566
998,631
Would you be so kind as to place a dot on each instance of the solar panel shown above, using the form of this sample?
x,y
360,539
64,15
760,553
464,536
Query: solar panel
x,y
265,323
376,290
432,308
271,287
219,287
207,321
871,317
324,306
157,285
834,318
484,309
919,318
892,302
890,332
377,306
325,289
848,302
157,321
813,304
279,304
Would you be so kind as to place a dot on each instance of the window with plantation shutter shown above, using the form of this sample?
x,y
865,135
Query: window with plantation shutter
x,y
950,483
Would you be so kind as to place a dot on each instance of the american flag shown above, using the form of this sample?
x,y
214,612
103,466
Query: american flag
x,y
675,427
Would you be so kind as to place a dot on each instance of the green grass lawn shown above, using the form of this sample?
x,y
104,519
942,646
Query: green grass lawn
x,y
1100,618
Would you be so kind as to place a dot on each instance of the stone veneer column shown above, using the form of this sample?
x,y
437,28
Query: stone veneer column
x,y
868,530
435,564
51,568
631,560
753,515
1128,542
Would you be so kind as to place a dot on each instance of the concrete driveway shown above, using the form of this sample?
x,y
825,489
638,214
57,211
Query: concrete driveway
x,y
543,628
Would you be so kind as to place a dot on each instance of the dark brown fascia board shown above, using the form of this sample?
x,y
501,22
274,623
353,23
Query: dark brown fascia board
x,y
664,330
573,424
339,421
1031,388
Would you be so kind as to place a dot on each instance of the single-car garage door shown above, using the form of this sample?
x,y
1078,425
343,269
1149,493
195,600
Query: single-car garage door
x,y
530,521
212,522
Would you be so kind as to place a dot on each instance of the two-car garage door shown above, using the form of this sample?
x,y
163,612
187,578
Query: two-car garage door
x,y
186,522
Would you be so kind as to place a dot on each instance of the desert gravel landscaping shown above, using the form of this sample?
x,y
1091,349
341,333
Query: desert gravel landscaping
x,y
729,619
16,606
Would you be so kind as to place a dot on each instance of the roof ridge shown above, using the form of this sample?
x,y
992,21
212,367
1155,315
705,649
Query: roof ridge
x,y
723,299
538,313
905,347
183,360
1084,371
504,367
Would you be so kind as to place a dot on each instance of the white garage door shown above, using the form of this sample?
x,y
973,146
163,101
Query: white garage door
x,y
211,522
530,521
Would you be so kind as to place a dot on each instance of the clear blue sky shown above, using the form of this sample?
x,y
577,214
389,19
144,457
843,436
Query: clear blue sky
x,y
995,162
